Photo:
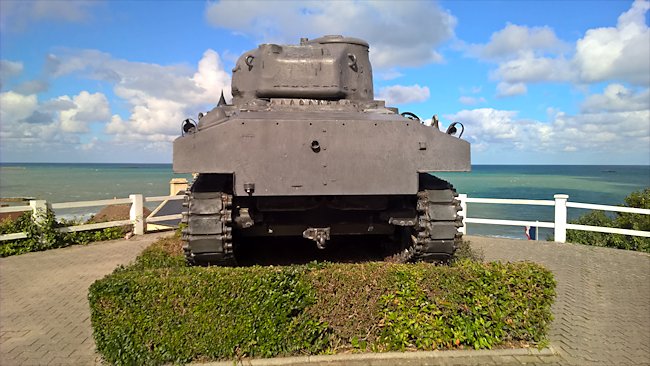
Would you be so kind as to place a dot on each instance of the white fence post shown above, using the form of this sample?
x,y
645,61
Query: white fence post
x,y
560,217
136,214
177,185
39,210
463,212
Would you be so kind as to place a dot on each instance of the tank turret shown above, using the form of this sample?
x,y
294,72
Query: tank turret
x,y
326,68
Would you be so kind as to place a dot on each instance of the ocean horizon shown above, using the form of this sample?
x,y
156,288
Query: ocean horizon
x,y
598,184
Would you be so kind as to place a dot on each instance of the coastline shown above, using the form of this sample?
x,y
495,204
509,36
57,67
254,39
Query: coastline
x,y
597,184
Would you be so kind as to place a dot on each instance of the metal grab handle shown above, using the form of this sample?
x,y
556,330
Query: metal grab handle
x,y
452,129
188,126
249,61
434,122
352,62
411,116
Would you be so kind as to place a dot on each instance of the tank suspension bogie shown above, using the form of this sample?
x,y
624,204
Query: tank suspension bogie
x,y
425,225
207,232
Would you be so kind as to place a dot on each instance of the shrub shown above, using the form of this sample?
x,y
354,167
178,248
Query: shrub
x,y
176,315
466,251
623,220
158,310
45,236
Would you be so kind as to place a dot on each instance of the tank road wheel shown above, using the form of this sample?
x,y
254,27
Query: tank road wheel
x,y
435,236
207,236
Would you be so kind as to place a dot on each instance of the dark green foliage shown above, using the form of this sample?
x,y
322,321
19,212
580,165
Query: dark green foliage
x,y
176,315
379,306
156,257
45,236
469,304
465,251
622,220
158,310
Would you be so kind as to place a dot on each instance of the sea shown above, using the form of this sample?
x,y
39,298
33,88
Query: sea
x,y
599,184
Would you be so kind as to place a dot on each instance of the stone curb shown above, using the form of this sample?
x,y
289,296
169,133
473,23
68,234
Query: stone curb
x,y
397,357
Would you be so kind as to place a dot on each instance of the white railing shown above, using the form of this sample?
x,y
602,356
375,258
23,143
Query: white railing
x,y
136,214
559,224
139,222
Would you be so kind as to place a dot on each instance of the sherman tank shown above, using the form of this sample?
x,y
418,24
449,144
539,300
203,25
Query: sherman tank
x,y
305,150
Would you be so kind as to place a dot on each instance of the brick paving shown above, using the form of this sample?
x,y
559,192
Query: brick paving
x,y
602,311
44,312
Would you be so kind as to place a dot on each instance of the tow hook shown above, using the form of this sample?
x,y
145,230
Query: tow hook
x,y
244,220
319,235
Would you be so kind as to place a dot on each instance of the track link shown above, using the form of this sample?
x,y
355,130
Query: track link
x,y
435,236
207,235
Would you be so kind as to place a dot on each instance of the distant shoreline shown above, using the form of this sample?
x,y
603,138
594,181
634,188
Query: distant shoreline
x,y
18,164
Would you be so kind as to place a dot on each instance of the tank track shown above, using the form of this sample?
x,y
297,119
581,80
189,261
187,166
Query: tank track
x,y
207,235
435,236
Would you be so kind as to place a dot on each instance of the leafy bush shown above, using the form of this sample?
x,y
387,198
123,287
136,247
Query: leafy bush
x,y
45,236
426,307
158,310
623,220
164,253
465,251
176,315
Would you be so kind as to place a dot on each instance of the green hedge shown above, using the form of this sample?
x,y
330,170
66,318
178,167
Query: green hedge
x,y
157,310
46,236
622,220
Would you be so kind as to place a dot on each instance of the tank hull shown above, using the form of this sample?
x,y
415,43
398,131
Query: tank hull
x,y
317,154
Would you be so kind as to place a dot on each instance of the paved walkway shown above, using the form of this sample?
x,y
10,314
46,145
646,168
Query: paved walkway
x,y
44,313
602,311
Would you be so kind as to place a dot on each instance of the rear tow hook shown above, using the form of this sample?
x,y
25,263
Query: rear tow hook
x,y
319,235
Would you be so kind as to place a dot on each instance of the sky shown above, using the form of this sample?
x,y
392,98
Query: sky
x,y
533,82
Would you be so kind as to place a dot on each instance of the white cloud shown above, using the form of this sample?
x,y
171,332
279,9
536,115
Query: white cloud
x,y
31,87
508,90
15,107
9,69
391,74
515,39
615,122
26,122
211,77
116,125
532,55
19,14
617,53
393,29
160,97
16,132
528,68
467,100
90,145
87,108
617,98
401,94
487,124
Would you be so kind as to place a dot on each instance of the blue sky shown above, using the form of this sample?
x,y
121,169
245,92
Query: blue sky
x,y
534,82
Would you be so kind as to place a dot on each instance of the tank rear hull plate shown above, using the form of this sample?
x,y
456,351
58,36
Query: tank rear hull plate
x,y
277,152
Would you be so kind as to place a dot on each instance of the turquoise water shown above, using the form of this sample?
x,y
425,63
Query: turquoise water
x,y
84,182
599,184
607,185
